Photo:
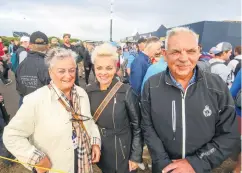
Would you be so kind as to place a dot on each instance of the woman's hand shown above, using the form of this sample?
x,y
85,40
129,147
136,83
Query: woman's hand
x,y
45,163
132,166
96,153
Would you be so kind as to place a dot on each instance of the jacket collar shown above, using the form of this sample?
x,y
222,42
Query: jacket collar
x,y
42,55
169,81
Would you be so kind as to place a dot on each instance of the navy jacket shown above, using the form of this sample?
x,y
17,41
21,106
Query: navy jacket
x,y
139,68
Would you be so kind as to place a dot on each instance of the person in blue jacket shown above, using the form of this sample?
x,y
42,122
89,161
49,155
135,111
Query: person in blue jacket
x,y
235,89
156,68
142,62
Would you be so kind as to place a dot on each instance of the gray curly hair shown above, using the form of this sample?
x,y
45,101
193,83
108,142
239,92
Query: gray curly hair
x,y
58,54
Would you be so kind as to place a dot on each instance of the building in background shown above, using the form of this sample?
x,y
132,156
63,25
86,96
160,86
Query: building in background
x,y
20,34
210,33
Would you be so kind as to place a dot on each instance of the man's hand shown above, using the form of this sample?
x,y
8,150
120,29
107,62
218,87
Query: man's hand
x,y
96,153
132,166
45,163
1,98
179,166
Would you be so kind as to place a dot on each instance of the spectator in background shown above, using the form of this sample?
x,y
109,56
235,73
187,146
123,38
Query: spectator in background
x,y
66,42
15,46
80,50
4,119
156,68
142,62
10,47
235,64
236,94
54,43
4,65
204,56
140,47
32,73
22,51
222,53
211,52
67,45
88,66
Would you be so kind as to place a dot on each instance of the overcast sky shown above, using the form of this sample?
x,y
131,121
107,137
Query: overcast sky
x,y
90,19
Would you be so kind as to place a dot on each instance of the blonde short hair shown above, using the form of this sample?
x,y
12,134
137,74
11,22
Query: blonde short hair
x,y
103,51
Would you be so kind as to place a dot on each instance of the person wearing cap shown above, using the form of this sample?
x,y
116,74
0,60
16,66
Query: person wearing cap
x,y
222,53
67,45
66,42
21,52
32,73
211,52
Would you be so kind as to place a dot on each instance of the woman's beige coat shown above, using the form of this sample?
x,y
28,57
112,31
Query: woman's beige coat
x,y
42,125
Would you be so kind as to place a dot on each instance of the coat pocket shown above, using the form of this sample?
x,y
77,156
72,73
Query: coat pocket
x,y
122,148
174,119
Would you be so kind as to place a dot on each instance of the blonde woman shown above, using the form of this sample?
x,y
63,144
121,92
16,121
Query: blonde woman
x,y
119,120
54,128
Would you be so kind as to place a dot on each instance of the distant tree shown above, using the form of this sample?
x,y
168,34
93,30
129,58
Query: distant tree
x,y
7,40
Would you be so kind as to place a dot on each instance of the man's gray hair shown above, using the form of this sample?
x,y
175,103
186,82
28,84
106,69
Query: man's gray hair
x,y
177,30
58,54
151,40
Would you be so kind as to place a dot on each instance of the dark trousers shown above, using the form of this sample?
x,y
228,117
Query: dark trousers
x,y
77,78
87,72
3,151
4,74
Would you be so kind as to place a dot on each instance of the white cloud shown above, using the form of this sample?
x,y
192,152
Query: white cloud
x,y
89,19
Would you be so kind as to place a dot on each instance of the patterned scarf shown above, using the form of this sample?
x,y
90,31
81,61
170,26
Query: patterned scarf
x,y
84,146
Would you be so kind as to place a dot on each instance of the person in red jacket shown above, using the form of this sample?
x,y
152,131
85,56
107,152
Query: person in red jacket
x,y
4,73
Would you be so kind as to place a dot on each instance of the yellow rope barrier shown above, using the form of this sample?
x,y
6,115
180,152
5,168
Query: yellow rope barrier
x,y
38,167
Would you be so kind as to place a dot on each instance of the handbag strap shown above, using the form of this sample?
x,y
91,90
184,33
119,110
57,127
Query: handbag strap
x,y
106,100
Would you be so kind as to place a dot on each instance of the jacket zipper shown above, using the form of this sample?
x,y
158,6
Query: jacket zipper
x,y
121,147
184,122
114,126
174,119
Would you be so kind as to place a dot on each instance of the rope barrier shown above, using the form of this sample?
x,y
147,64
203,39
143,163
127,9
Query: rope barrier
x,y
35,166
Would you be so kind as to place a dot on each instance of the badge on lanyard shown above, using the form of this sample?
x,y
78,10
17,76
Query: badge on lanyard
x,y
74,139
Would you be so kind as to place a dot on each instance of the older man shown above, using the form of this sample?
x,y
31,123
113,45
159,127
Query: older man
x,y
188,115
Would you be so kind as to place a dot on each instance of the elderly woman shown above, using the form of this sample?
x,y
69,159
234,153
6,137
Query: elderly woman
x,y
115,108
54,127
